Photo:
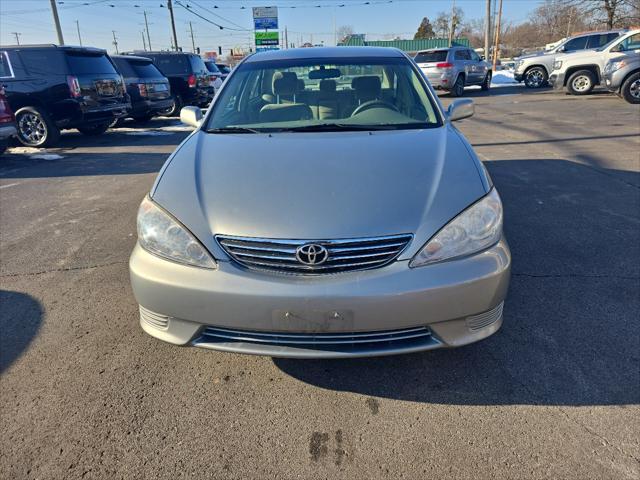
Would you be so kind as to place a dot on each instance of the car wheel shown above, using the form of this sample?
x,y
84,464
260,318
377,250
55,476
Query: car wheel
x,y
97,129
486,84
631,88
535,77
174,110
581,82
458,87
35,128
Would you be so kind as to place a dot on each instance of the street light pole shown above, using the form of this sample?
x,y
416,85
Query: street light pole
x,y
173,24
78,28
56,21
146,26
487,30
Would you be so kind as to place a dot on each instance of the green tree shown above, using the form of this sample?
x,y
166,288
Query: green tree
x,y
425,30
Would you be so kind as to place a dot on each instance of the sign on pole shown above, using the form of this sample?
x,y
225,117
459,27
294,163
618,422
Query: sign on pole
x,y
265,19
267,38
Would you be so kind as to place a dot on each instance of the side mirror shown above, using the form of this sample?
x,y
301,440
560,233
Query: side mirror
x,y
482,57
461,109
191,116
562,49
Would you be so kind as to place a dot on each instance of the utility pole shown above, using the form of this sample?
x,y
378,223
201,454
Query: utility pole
x,y
144,42
56,20
487,30
286,38
453,22
496,51
173,25
78,28
193,41
115,40
146,26
17,34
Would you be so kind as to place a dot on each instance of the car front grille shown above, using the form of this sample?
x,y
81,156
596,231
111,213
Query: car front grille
x,y
339,255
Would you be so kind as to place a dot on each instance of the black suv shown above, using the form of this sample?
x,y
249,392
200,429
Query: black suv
x,y
188,76
148,89
53,87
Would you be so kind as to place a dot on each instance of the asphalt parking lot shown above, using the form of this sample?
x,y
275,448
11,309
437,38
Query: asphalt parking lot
x,y
555,394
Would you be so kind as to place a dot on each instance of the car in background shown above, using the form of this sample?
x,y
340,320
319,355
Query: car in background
x,y
148,89
622,76
311,215
51,88
225,69
7,121
188,77
534,69
454,68
581,72
216,74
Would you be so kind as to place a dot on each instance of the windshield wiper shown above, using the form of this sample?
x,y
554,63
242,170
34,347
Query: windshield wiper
x,y
233,130
334,127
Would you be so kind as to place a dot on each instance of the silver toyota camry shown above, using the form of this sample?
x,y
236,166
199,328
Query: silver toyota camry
x,y
325,206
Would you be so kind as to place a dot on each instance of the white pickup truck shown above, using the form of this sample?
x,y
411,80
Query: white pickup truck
x,y
580,72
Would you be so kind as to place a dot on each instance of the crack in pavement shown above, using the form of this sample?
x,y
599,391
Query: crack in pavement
x,y
66,269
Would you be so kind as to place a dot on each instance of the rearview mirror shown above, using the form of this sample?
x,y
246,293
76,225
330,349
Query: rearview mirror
x,y
461,109
191,116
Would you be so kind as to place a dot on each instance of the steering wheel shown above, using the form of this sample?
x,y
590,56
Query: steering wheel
x,y
376,103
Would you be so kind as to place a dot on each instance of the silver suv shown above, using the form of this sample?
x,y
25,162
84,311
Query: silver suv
x,y
454,68
534,69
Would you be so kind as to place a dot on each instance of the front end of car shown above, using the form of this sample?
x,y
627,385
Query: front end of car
x,y
614,73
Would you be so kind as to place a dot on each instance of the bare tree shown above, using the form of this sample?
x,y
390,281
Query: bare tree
x,y
443,24
609,13
344,32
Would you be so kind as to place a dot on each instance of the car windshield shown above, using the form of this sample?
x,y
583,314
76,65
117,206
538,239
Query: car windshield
x,y
323,95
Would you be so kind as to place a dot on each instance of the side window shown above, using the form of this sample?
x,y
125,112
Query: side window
x,y
40,62
612,36
597,41
474,56
5,66
630,43
462,55
574,44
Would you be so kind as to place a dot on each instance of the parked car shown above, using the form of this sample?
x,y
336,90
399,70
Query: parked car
x,y
188,76
148,89
306,220
534,69
225,69
581,72
216,75
454,68
7,119
52,87
622,76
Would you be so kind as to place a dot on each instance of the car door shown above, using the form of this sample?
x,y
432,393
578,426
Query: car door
x,y
462,61
478,68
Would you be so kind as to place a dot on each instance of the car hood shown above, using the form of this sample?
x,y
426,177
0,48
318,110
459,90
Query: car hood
x,y
320,185
591,53
535,54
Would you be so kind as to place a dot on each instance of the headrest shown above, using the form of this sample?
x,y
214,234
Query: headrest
x,y
301,85
285,112
368,86
328,86
285,83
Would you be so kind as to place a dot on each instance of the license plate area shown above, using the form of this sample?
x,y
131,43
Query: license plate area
x,y
106,88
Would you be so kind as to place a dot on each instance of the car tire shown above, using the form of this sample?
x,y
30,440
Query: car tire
x,y
35,128
581,82
143,118
630,90
174,110
486,83
458,87
92,130
535,77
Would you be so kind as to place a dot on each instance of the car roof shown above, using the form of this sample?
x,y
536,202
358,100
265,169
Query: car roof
x,y
601,32
132,57
444,49
59,47
325,52
142,53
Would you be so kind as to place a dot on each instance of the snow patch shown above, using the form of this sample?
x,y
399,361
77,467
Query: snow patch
x,y
503,77
46,156
149,133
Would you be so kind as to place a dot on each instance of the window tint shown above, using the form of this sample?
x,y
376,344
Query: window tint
x,y
428,57
474,56
5,66
579,43
212,67
123,67
82,63
597,41
197,64
144,69
172,64
630,43
462,55
223,68
41,62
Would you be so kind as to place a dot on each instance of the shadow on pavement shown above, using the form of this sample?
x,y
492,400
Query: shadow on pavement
x,y
20,320
570,333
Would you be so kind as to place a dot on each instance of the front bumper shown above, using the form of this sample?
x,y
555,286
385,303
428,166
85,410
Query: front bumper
x,y
518,77
7,130
556,81
148,107
457,302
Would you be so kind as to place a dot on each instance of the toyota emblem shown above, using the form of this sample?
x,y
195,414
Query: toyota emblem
x,y
312,254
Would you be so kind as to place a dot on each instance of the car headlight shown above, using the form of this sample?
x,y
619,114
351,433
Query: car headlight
x,y
160,234
474,230
557,65
613,66
519,64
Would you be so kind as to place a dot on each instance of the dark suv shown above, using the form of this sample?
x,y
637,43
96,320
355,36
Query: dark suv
x,y
148,89
53,87
188,76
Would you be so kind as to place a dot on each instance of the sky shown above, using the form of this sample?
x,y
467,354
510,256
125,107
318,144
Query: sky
x,y
380,19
